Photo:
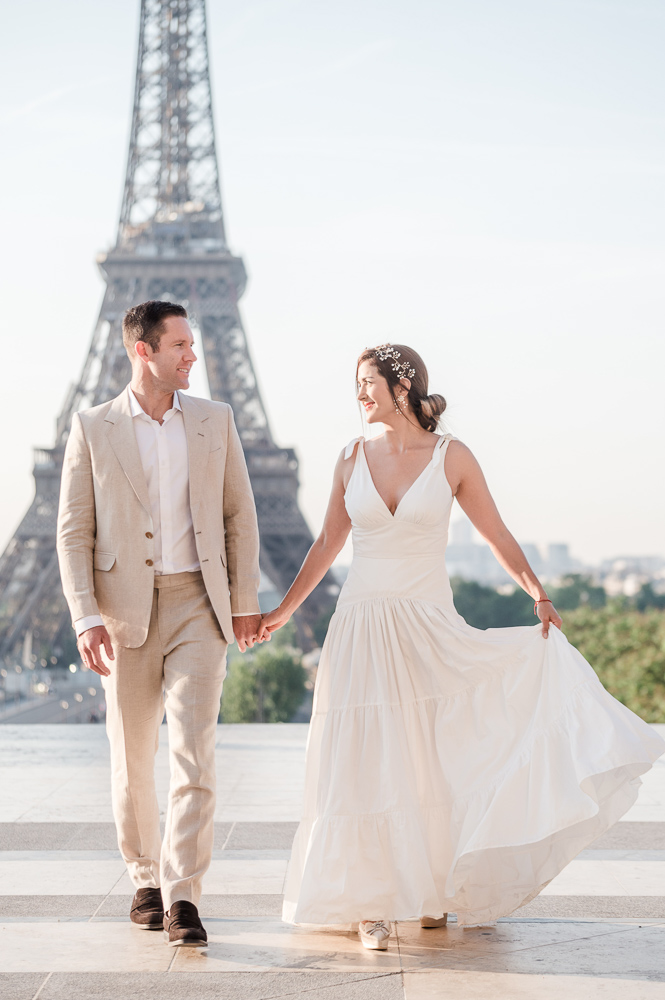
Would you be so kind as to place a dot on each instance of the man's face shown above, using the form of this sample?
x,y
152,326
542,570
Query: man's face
x,y
171,364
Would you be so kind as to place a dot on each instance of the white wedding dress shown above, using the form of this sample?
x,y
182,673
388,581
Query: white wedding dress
x,y
449,769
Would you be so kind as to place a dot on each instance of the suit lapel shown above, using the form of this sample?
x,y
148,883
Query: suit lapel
x,y
123,442
198,447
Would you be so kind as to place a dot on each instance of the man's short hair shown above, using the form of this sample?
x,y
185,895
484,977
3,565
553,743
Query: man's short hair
x,y
145,322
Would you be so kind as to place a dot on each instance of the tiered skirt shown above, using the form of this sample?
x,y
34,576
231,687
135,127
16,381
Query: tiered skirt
x,y
451,769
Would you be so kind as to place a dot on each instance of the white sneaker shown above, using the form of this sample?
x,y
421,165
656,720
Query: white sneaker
x,y
429,922
374,934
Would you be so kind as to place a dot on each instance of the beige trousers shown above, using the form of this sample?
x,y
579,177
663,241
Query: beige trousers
x,y
180,668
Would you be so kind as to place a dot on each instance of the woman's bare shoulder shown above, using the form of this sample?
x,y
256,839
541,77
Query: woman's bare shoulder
x,y
346,461
458,451
349,451
461,464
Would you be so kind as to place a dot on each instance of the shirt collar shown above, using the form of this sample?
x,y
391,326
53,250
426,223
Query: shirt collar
x,y
138,411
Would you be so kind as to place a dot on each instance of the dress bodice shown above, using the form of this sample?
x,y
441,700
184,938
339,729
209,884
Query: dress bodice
x,y
400,554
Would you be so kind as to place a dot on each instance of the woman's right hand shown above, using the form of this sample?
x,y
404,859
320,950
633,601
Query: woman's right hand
x,y
271,622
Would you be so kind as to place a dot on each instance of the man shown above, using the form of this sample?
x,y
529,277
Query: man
x,y
158,547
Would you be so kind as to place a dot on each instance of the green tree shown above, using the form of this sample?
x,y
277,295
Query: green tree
x,y
647,597
484,607
626,648
266,684
576,590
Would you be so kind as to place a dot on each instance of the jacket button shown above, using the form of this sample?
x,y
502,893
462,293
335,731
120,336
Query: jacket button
x,y
148,562
148,534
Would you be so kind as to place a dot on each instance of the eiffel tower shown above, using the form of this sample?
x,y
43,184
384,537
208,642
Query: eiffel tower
x,y
171,245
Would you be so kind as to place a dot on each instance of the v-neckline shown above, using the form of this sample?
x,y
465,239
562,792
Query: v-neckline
x,y
416,480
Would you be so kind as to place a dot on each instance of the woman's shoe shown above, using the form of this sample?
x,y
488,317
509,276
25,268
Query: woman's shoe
x,y
429,922
374,934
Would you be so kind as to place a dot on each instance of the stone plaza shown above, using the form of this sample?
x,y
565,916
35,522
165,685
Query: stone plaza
x,y
596,931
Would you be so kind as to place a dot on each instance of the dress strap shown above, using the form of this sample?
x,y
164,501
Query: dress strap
x,y
441,447
348,451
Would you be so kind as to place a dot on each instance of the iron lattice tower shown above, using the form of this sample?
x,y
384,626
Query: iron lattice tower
x,y
171,244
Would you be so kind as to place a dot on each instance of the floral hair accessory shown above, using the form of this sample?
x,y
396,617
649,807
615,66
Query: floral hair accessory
x,y
403,370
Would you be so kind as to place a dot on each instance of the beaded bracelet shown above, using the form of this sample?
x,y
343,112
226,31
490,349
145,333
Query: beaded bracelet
x,y
543,600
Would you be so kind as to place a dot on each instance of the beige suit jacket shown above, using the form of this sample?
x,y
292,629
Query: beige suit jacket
x,y
105,524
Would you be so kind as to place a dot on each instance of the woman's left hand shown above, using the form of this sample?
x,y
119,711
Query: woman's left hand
x,y
548,616
270,622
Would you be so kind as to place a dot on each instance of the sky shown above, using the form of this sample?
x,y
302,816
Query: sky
x,y
482,181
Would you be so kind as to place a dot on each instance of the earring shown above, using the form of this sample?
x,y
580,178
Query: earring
x,y
397,409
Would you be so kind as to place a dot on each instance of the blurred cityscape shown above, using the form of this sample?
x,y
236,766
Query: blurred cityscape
x,y
623,575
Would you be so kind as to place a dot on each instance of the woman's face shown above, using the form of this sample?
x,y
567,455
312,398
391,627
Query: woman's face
x,y
374,394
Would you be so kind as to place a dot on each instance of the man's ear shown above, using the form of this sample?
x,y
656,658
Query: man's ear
x,y
142,352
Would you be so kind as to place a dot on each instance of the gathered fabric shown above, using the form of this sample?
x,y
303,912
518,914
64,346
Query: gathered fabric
x,y
449,768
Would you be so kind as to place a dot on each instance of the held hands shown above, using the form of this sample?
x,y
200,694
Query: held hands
x,y
271,622
548,616
246,630
90,644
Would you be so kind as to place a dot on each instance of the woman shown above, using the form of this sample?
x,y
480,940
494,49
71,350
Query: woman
x,y
448,768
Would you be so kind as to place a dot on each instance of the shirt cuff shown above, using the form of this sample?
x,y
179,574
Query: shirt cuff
x,y
244,614
83,624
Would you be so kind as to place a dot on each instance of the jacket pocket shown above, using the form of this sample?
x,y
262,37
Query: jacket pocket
x,y
103,560
222,556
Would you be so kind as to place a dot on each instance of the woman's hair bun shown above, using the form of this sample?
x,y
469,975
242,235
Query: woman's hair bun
x,y
431,408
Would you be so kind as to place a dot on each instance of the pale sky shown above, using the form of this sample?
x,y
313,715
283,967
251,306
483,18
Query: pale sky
x,y
480,180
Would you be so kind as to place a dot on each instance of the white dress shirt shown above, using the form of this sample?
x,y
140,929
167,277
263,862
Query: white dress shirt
x,y
164,457
163,451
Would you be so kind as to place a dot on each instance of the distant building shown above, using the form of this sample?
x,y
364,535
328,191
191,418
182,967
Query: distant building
x,y
470,560
559,561
625,575
474,560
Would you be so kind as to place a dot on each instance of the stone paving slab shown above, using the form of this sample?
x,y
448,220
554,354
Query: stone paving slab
x,y
565,947
46,907
633,836
569,907
510,986
75,836
238,986
261,835
20,985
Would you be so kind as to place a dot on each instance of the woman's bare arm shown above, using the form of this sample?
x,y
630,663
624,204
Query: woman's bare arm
x,y
472,493
322,554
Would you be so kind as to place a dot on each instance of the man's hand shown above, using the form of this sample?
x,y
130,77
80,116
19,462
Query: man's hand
x,y
245,629
90,645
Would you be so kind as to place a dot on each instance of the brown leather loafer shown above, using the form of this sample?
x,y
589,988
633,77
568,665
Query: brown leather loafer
x,y
183,927
147,909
